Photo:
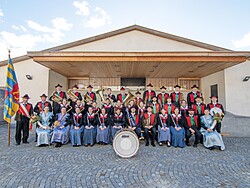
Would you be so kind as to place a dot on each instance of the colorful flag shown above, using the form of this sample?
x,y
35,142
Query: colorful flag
x,y
11,99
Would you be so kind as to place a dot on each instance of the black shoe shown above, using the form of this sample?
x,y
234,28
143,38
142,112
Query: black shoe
x,y
211,148
147,144
18,143
195,145
188,144
153,144
35,141
25,142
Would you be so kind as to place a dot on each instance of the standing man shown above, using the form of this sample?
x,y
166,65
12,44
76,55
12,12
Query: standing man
x,y
56,105
148,94
22,120
110,95
162,97
214,103
138,98
121,96
39,107
177,96
91,93
192,95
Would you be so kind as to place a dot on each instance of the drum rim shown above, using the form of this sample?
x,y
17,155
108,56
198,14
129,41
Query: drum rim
x,y
137,143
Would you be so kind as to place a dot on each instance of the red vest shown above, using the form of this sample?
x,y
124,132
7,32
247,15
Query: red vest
x,y
173,96
119,96
92,95
195,107
211,105
21,111
152,118
172,108
191,96
195,120
159,96
46,104
152,94
137,118
137,100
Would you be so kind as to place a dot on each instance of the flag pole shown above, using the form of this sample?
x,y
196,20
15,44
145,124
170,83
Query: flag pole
x,y
10,119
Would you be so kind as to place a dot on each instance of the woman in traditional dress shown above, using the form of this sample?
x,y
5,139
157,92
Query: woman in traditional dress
x,y
211,138
90,122
118,122
61,128
102,136
43,129
76,130
177,129
164,128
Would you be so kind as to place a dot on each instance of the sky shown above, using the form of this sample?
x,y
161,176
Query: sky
x,y
33,25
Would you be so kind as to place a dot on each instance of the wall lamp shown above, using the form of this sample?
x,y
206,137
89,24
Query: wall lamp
x,y
246,79
29,77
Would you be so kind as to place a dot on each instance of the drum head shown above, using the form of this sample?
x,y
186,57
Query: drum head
x,y
126,144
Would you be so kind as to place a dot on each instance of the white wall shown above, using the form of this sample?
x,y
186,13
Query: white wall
x,y
54,79
237,91
216,78
135,41
34,87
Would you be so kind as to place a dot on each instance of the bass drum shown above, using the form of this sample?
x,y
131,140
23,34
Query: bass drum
x,y
126,143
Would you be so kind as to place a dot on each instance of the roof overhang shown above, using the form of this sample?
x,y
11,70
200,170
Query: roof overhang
x,y
138,64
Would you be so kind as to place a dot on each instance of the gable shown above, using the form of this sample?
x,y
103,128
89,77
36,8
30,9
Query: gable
x,y
135,41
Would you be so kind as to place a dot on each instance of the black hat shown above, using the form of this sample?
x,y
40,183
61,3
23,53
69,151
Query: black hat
x,y
58,85
26,96
138,92
75,86
163,87
149,85
43,95
177,86
213,96
122,89
90,86
195,86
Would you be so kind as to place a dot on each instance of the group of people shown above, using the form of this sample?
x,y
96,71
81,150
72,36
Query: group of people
x,y
166,118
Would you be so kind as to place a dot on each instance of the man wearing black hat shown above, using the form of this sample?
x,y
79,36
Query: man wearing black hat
x,y
78,94
110,95
162,97
199,108
91,94
22,120
192,95
138,98
149,123
177,96
192,128
148,94
39,107
56,106
121,96
214,103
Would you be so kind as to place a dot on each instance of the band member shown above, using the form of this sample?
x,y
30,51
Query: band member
x,y
169,106
22,120
39,107
120,106
79,105
141,109
199,108
211,137
90,123
213,104
177,129
95,108
162,97
155,105
66,104
56,106
133,121
43,129
184,108
192,128
61,128
138,98
118,122
149,123
164,128
148,94
192,95
177,96
104,122
121,96
109,109
78,94
76,130
110,95
131,104
91,94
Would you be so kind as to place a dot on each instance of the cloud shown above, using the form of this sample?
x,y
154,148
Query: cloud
x,y
1,15
243,42
101,18
20,44
83,8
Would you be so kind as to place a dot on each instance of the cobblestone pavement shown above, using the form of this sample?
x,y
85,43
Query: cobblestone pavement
x,y
99,166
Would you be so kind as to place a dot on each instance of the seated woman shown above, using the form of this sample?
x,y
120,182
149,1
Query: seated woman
x,y
102,136
90,122
177,129
61,128
43,129
118,122
211,137
164,128
77,128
